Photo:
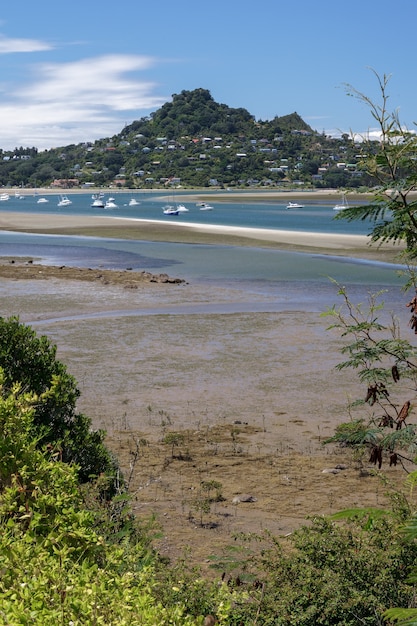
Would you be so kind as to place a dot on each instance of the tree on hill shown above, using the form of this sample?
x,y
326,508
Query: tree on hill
x,y
287,123
196,113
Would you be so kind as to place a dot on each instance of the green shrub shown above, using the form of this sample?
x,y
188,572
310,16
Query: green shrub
x,y
31,360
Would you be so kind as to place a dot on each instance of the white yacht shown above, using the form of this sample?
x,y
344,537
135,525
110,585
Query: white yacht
x,y
170,210
98,201
295,205
64,201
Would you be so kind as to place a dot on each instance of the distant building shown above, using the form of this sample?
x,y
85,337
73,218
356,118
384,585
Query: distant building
x,y
65,182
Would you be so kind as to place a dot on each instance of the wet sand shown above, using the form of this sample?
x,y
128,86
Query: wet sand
x,y
155,230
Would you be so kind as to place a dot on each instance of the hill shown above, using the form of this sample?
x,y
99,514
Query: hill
x,y
193,141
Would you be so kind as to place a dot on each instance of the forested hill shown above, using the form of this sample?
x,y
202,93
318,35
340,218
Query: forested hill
x,y
193,141
195,114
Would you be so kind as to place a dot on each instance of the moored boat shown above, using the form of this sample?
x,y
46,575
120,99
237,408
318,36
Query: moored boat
x,y
64,200
98,201
170,210
341,205
295,205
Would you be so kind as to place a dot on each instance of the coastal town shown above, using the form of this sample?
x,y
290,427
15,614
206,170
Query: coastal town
x,y
194,142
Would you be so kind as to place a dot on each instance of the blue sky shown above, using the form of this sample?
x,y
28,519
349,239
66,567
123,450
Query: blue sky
x,y
80,71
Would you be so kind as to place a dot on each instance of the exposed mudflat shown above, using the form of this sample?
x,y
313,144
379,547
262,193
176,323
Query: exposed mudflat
x,y
252,397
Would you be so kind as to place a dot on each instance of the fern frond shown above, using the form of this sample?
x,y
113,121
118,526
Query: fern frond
x,y
403,438
355,433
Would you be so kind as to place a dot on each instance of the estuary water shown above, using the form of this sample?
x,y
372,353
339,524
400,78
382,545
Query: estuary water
x,y
316,216
260,271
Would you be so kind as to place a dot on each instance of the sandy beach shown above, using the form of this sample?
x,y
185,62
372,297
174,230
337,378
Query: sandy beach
x,y
155,230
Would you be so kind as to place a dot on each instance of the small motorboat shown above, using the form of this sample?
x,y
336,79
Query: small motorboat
x,y
97,200
41,201
133,202
4,197
64,201
181,208
170,210
98,203
204,206
110,204
295,205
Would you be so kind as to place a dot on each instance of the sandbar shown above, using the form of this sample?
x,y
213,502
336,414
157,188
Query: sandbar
x,y
155,230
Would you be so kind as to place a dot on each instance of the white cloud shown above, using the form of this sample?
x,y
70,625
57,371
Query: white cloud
x,y
372,134
10,46
77,101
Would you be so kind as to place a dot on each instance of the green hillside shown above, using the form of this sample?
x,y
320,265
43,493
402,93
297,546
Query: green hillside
x,y
193,141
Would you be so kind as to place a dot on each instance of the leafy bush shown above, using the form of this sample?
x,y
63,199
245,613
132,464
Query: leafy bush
x,y
56,567
31,361
338,574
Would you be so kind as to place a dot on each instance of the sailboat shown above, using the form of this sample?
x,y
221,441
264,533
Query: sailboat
x,y
170,209
18,194
175,208
342,205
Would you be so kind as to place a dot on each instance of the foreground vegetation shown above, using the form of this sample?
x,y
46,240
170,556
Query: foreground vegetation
x,y
72,552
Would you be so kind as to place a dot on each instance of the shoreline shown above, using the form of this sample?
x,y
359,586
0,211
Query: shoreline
x,y
155,230
271,193
207,195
